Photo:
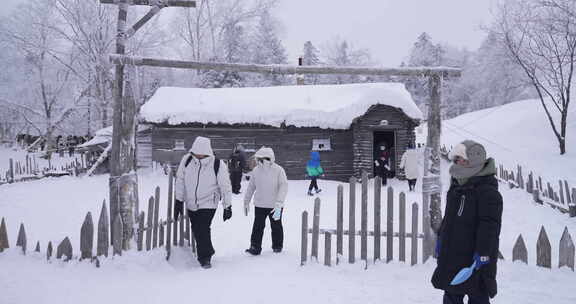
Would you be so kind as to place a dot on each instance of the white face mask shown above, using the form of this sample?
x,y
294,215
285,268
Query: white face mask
x,y
382,148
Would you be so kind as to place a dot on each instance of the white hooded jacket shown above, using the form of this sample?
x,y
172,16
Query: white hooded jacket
x,y
268,182
410,163
197,184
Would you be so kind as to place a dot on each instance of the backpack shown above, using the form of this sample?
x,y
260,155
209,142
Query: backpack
x,y
216,163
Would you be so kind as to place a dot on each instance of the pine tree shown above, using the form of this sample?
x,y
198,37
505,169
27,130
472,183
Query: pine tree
x,y
233,51
310,57
267,49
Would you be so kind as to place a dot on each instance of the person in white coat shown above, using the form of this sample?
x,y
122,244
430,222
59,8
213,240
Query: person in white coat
x,y
269,185
409,163
202,181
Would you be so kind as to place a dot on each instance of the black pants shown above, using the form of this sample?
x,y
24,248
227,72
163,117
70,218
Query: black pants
x,y
459,299
384,176
235,179
260,215
313,183
411,184
201,220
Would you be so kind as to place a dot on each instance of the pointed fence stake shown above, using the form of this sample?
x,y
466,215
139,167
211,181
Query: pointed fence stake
x,y
21,241
566,250
87,238
64,249
49,251
103,243
543,250
3,236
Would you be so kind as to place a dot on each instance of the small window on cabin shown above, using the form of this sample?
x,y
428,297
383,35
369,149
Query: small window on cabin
x,y
321,145
179,144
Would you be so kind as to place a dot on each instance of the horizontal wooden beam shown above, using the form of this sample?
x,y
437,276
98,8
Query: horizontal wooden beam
x,y
370,233
283,69
161,3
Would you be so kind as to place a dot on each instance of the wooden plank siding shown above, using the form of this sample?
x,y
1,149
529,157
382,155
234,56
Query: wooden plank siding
x,y
291,145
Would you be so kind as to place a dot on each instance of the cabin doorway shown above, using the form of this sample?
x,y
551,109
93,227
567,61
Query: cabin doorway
x,y
386,139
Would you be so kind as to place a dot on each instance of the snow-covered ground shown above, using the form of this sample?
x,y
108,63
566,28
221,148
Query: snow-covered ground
x,y
55,207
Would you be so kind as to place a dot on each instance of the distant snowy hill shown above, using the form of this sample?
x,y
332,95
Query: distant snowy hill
x,y
517,133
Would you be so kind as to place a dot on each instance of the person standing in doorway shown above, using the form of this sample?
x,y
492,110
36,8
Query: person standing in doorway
x,y
314,171
382,164
470,231
409,163
201,182
237,165
269,186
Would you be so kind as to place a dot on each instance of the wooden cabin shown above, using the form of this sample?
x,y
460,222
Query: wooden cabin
x,y
346,123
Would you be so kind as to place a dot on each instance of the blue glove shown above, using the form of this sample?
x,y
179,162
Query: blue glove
x,y
277,213
481,260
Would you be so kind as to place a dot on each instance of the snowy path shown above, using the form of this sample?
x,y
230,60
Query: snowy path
x,y
55,207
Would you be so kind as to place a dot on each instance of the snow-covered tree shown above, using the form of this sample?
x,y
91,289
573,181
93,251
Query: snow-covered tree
x,y
339,52
310,56
268,49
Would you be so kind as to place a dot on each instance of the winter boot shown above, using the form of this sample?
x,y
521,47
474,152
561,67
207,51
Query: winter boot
x,y
310,193
318,190
253,250
206,264
277,250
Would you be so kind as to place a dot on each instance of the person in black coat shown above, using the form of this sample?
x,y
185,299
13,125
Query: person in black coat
x,y
470,229
236,166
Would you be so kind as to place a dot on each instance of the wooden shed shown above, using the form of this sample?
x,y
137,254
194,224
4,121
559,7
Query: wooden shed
x,y
346,123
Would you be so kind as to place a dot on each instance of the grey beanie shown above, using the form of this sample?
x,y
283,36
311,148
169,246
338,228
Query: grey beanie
x,y
476,156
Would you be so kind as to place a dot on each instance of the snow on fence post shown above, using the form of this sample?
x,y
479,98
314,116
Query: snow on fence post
x,y
49,251
4,244
414,247
402,229
169,215
140,234
21,240
304,244
327,249
390,225
519,251
339,223
155,225
543,250
377,217
103,230
364,219
118,233
561,192
352,222
149,223
566,252
64,249
86,237
315,229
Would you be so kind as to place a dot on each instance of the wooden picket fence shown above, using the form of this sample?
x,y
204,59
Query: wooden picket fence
x,y
151,232
562,198
30,170
377,233
519,253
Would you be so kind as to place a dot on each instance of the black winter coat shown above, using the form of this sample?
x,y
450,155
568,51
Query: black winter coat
x,y
237,162
471,224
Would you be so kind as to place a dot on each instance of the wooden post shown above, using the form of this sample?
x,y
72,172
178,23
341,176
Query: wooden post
x,y
118,232
352,222
37,249
519,252
187,229
64,249
377,217
11,171
339,223
315,229
402,229
169,215
87,238
543,250
4,244
568,198
49,251
155,226
390,226
566,251
181,227
103,242
561,187
149,223
140,236
304,245
414,245
21,240
161,234
327,249
364,219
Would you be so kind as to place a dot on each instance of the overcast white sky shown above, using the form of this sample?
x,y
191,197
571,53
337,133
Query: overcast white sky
x,y
388,28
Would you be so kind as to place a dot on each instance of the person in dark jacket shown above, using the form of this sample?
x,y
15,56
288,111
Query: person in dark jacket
x,y
470,229
236,166
382,164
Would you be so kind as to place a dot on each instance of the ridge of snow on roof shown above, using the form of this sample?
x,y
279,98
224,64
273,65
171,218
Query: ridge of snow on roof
x,y
324,106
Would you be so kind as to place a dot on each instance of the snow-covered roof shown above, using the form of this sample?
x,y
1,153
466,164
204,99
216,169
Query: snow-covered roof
x,y
104,135
324,106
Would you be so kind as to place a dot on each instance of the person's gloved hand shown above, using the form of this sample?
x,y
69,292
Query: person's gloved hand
x,y
227,213
277,212
481,260
178,208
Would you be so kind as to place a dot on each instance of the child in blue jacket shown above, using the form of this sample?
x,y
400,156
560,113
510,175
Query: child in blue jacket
x,y
314,170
